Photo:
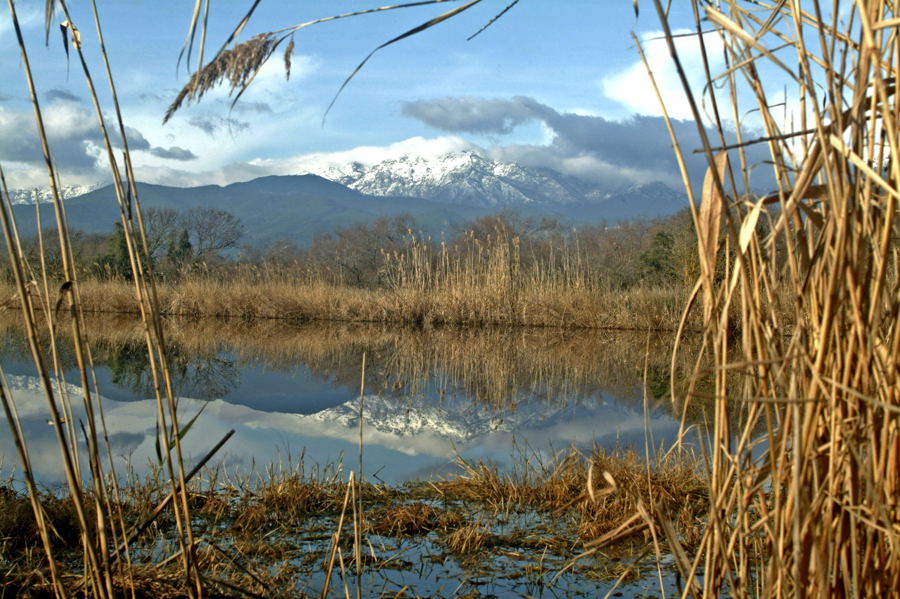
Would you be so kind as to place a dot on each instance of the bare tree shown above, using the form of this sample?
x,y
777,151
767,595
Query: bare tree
x,y
161,226
211,230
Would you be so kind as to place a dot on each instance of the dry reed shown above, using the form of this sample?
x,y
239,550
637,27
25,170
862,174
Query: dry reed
x,y
805,449
481,292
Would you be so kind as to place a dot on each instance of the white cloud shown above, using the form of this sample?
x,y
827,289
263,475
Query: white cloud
x,y
633,89
367,155
316,162
29,16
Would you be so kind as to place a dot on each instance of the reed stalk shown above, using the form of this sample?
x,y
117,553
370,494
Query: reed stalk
x,y
804,457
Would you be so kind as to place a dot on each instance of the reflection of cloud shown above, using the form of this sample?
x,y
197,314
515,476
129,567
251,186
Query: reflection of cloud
x,y
402,435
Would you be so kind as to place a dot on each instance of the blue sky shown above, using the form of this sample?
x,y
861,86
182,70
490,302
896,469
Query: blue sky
x,y
554,84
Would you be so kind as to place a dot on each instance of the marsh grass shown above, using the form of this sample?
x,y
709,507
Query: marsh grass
x,y
599,490
804,460
484,283
268,532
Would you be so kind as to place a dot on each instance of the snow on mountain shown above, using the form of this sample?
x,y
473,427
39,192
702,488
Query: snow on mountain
x,y
469,179
460,178
45,195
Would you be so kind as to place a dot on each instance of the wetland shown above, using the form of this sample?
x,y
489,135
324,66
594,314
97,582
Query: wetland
x,y
476,447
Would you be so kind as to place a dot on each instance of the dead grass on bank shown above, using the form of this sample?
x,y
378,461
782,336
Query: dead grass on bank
x,y
253,527
600,490
655,308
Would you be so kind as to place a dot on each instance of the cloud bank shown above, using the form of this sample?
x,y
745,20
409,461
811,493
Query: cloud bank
x,y
75,141
615,153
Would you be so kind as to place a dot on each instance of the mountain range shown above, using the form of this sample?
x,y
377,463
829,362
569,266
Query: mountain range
x,y
441,193
26,196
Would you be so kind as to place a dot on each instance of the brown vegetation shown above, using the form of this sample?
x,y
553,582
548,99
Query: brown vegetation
x,y
805,451
500,271
804,456
500,366
602,490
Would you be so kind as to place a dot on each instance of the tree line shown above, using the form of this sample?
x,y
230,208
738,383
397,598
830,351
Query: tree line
x,y
176,242
621,255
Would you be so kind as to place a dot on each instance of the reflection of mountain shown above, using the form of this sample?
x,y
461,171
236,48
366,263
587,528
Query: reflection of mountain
x,y
458,420
402,436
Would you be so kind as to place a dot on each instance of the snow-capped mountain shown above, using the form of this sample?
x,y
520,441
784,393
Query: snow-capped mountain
x,y
26,196
460,178
469,179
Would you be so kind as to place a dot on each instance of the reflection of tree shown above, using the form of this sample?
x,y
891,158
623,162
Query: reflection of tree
x,y
208,376
128,366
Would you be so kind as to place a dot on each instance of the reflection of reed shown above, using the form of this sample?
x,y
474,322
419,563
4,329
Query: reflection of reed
x,y
497,365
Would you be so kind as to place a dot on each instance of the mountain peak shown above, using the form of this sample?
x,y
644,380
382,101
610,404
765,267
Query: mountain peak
x,y
463,177
45,194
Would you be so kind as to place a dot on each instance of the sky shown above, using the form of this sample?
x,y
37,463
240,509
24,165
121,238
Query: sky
x,y
554,84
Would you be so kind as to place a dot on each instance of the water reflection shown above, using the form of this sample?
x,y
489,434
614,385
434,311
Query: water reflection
x,y
429,394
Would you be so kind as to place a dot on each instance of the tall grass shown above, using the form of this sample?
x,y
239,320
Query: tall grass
x,y
485,280
804,458
94,494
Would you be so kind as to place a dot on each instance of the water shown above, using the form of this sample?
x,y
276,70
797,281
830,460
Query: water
x,y
291,393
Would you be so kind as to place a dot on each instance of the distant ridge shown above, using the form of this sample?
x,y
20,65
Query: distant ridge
x,y
442,194
468,179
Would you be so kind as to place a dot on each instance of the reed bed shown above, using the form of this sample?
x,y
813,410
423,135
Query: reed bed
x,y
472,297
804,459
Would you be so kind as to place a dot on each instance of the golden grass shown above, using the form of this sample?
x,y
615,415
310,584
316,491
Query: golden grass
x,y
644,308
804,459
601,489
496,365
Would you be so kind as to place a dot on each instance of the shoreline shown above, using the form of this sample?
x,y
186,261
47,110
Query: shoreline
x,y
656,309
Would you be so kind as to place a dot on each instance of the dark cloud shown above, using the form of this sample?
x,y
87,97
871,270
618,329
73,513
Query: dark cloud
x,y
206,125
253,107
615,152
211,125
470,114
75,139
60,95
162,97
136,139
173,153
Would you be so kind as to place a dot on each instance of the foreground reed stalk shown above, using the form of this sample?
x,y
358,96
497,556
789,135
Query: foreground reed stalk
x,y
799,291
805,450
96,529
